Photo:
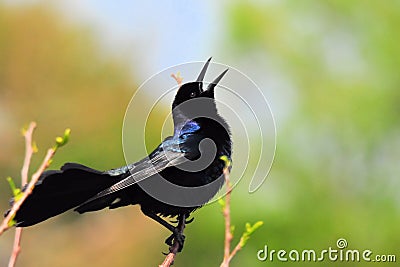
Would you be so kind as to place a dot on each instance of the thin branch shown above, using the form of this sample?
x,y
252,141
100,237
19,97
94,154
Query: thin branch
x,y
168,260
174,249
228,255
24,180
6,224
235,250
8,220
16,247
28,152
177,78
227,215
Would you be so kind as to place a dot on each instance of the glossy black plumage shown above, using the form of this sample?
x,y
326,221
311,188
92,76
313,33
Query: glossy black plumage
x,y
85,189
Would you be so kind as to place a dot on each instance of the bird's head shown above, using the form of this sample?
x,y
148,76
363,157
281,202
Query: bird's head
x,y
193,101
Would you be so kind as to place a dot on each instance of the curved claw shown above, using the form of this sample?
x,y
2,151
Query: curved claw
x,y
169,240
189,221
179,237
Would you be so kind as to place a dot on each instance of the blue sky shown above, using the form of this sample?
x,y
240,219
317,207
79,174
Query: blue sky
x,y
164,32
154,35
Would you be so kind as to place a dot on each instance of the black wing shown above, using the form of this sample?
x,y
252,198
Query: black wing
x,y
160,159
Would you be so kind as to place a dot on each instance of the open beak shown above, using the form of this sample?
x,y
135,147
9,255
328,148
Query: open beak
x,y
203,71
212,85
216,81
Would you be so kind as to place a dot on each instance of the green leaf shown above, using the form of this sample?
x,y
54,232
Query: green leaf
x,y
226,160
249,230
35,148
23,131
232,230
17,193
221,201
62,141
11,223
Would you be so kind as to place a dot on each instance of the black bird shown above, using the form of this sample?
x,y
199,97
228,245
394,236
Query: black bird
x,y
179,176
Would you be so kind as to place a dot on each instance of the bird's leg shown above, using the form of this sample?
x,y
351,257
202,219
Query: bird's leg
x,y
160,221
177,232
177,236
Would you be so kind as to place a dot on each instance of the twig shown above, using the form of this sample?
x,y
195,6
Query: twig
x,y
174,249
235,250
24,180
227,215
228,255
16,247
169,260
20,197
6,224
177,78
28,152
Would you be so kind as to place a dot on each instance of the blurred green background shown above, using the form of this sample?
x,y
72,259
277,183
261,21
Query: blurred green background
x,y
330,70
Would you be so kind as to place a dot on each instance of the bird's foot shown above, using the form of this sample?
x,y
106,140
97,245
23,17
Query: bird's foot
x,y
179,238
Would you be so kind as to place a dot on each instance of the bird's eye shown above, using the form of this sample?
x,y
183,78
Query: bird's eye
x,y
192,94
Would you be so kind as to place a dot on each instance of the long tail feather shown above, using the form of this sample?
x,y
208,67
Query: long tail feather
x,y
61,190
